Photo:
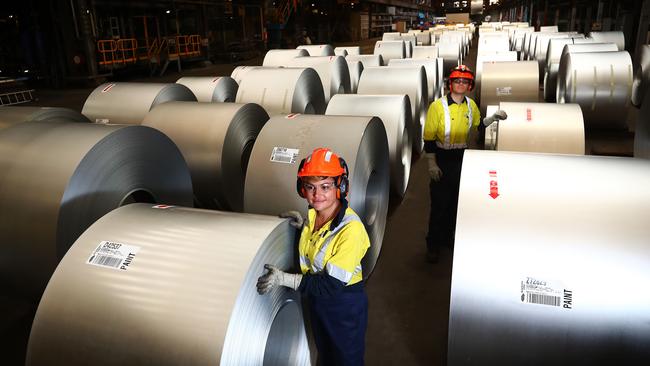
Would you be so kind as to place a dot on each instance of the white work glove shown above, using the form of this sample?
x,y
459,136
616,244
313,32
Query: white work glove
x,y
276,277
435,172
296,219
497,116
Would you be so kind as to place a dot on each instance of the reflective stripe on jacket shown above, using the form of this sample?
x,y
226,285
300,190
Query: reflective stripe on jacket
x,y
338,251
449,124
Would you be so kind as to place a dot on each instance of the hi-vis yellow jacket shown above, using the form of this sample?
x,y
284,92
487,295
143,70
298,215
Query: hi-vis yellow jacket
x,y
335,250
448,124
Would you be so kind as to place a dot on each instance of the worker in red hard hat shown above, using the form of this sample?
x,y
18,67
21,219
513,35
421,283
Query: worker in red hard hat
x,y
451,120
332,243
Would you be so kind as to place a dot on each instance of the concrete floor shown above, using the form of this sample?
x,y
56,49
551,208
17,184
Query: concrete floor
x,y
409,298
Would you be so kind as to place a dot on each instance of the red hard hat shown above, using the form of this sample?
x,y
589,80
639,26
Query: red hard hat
x,y
322,162
461,72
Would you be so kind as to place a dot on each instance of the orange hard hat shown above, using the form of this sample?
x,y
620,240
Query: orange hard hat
x,y
462,72
322,162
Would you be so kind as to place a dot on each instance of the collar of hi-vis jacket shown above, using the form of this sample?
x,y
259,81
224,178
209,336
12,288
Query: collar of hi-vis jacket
x,y
447,144
336,221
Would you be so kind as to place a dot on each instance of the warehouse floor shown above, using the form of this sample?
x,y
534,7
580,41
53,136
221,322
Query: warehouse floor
x,y
409,298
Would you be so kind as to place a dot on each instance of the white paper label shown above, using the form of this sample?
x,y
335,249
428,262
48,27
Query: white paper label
x,y
506,90
102,120
540,291
284,155
113,255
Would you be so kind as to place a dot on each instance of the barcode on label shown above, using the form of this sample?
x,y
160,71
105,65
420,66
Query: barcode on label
x,y
113,255
106,260
284,155
543,299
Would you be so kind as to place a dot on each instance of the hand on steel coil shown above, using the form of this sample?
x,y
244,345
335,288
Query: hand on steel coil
x,y
296,219
276,277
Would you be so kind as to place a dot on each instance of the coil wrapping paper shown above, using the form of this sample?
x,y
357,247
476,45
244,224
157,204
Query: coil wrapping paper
x,y
366,60
410,41
318,49
641,76
540,127
389,50
553,56
216,141
395,112
11,115
58,178
186,296
411,81
601,82
548,29
560,269
240,71
509,81
616,37
642,130
431,68
448,52
391,36
128,103
282,90
211,89
356,69
490,57
285,140
274,58
420,52
332,70
351,50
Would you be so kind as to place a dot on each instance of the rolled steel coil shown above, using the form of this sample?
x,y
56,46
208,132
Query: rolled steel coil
x,y
420,52
509,81
350,50
449,52
216,141
390,49
240,71
538,127
530,53
283,90
285,140
366,60
211,89
11,115
548,29
493,43
411,81
410,41
182,294
90,169
601,82
550,294
356,69
340,52
642,130
391,36
541,48
518,38
525,44
318,49
332,71
616,37
431,69
553,56
395,113
274,58
641,76
423,38
128,103
490,57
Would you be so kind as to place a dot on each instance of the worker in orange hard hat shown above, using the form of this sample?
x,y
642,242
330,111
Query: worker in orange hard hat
x,y
332,243
451,120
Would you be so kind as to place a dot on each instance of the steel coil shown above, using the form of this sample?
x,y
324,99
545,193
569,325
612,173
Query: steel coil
x,y
493,43
366,60
616,37
553,56
216,141
449,53
601,82
332,70
389,50
285,140
391,36
11,115
182,294
423,38
410,41
551,292
274,58
318,49
211,89
431,69
541,49
90,169
490,57
411,81
283,90
641,76
395,113
356,69
538,127
548,28
509,81
350,50
420,52
340,52
128,103
240,71
642,130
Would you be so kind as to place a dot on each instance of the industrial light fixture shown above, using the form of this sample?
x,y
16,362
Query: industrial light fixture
x,y
167,11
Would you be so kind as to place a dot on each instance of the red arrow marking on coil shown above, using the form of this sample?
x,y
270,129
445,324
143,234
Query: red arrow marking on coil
x,y
494,185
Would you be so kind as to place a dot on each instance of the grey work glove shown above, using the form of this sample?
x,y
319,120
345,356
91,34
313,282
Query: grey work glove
x,y
497,116
276,277
435,173
296,219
